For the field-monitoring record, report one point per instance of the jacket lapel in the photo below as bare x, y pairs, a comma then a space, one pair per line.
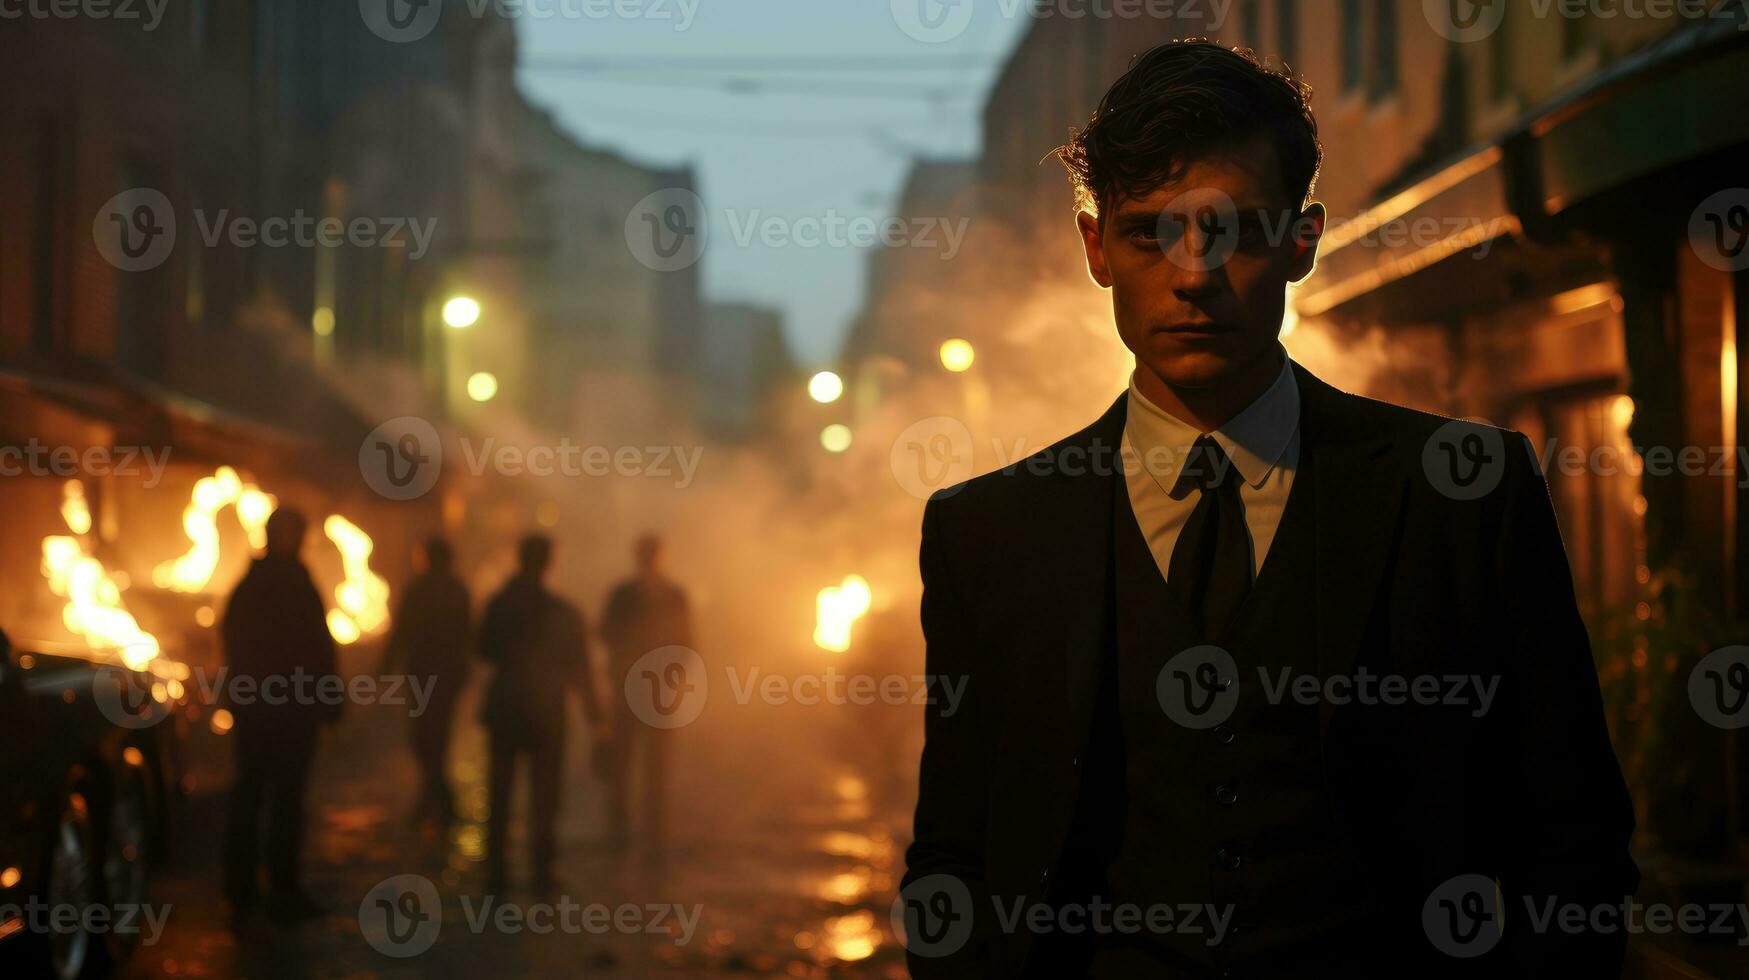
1359, 505
1082, 579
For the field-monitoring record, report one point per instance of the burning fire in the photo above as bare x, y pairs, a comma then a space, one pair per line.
94, 608
362, 597
74, 510
839, 606
191, 571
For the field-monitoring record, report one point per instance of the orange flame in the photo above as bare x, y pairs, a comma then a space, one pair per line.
94, 609
836, 608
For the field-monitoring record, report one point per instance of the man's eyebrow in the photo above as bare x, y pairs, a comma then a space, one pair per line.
1130, 214
1133, 214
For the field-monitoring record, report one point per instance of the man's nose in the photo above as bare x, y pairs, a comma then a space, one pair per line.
1197, 276
1198, 258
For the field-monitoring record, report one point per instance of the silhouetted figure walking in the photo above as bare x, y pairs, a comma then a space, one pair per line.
277, 648
429, 642
538, 643
644, 612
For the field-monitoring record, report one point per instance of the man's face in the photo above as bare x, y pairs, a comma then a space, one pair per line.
1198, 268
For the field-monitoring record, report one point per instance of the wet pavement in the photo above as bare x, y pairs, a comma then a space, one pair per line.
787, 837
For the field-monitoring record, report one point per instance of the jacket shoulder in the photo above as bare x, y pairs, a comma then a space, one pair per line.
1091, 451
1362, 418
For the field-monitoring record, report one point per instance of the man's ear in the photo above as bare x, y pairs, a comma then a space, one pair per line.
1308, 232
1095, 246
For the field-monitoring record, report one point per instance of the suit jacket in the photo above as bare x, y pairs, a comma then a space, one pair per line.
540, 646
274, 627
640, 618
1409, 580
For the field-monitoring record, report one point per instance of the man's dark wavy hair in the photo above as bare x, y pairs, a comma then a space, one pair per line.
1177, 101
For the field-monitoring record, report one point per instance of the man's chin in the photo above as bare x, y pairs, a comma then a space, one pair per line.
1196, 369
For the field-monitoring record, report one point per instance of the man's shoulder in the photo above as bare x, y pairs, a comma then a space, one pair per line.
1371, 419
625, 588
1091, 451
1413, 437
560, 606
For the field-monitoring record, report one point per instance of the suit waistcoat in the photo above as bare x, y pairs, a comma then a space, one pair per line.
1213, 774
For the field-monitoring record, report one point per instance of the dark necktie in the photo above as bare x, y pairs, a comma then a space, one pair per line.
1210, 570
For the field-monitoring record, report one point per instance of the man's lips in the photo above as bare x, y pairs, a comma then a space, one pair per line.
1199, 328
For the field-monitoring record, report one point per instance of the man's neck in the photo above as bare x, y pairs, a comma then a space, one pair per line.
1214, 406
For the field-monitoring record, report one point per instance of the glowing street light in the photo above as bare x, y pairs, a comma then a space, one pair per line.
957, 354
482, 386
825, 387
461, 312
835, 438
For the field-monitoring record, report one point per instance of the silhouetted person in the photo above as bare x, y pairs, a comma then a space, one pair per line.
275, 630
538, 643
429, 642
644, 612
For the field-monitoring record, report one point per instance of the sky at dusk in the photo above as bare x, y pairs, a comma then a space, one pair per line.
790, 109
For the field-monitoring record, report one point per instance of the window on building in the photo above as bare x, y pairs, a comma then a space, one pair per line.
1287, 31
1383, 78
144, 300
45, 218
1353, 39
1500, 60
194, 287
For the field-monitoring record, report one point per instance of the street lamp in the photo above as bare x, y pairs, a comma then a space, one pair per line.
461, 312
825, 387
835, 438
957, 354
482, 386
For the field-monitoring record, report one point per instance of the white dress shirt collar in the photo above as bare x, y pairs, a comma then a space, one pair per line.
1254, 439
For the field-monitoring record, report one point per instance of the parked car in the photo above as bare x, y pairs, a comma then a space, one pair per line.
86, 788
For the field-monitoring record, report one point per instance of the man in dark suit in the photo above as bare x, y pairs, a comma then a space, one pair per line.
1261, 678
275, 629
430, 642
645, 612
538, 643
